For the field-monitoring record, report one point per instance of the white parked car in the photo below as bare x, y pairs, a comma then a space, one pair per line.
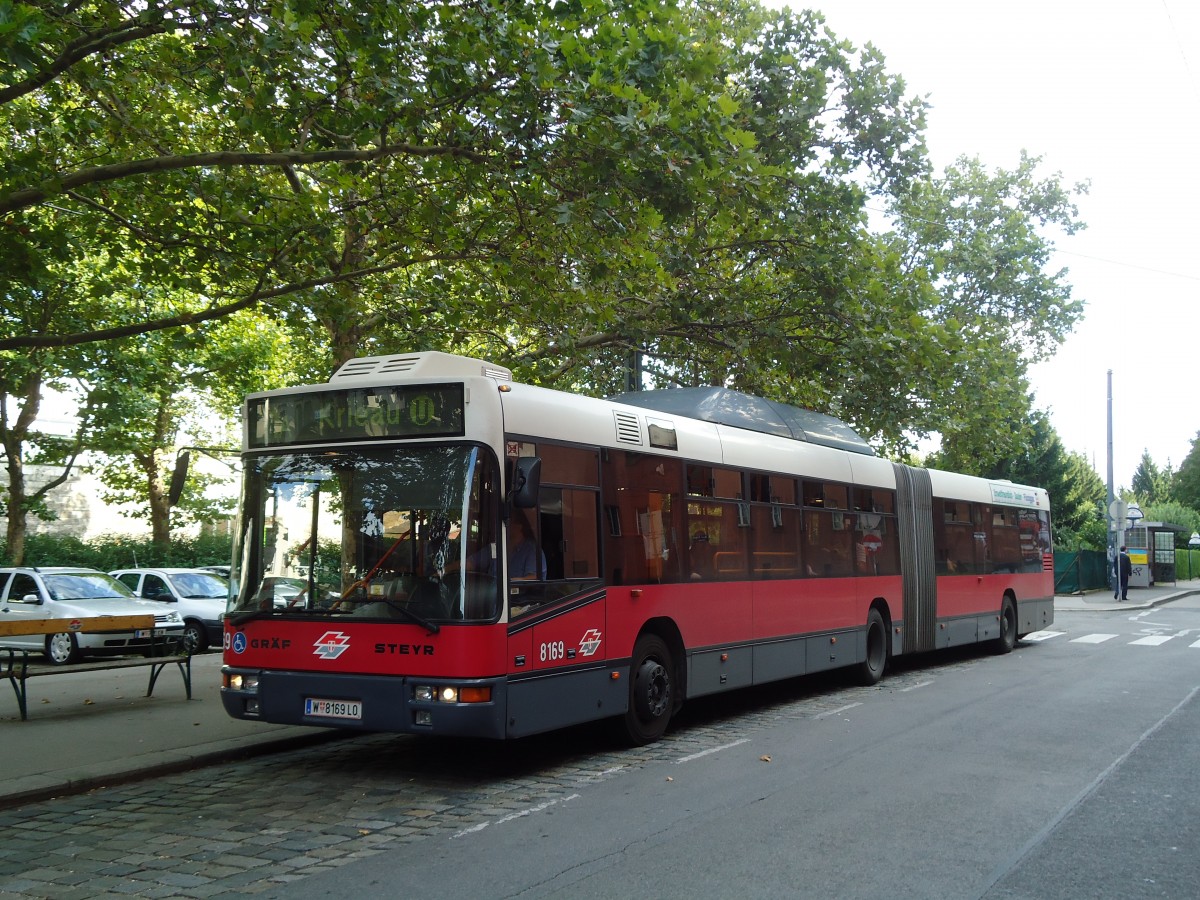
55, 592
199, 596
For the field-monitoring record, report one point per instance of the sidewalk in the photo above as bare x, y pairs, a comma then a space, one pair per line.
90, 730
1139, 598
96, 729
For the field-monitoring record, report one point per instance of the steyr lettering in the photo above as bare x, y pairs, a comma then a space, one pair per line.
406, 649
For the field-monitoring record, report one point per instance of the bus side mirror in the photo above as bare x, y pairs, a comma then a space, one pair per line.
527, 481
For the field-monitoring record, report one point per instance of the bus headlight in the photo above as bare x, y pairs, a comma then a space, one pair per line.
448, 693
236, 681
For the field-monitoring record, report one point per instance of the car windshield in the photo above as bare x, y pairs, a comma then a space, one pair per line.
200, 585
85, 586
390, 532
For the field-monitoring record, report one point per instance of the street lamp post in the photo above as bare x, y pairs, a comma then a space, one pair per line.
1134, 514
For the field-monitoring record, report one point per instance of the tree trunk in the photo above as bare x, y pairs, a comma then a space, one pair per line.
14, 535
13, 436
156, 487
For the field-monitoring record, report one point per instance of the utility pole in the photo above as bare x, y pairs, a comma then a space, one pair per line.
1113, 511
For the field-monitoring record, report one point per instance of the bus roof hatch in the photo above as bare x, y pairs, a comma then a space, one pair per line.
723, 406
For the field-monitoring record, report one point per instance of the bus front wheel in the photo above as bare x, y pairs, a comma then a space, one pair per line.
651, 690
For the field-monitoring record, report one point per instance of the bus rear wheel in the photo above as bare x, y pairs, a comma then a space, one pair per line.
651, 691
1008, 627
870, 670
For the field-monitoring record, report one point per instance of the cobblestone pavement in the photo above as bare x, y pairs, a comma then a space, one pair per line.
243, 828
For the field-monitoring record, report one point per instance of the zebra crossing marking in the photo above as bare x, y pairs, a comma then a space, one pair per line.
1153, 640
1036, 636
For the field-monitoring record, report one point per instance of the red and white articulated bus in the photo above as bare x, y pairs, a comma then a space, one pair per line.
425, 546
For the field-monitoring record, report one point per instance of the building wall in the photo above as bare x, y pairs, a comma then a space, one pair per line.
77, 503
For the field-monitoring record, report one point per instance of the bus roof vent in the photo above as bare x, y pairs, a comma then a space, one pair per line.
420, 365
629, 429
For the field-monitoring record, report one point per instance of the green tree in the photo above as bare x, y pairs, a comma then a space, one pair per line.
170, 381
982, 241
1150, 483
555, 185
62, 293
1175, 513
1185, 487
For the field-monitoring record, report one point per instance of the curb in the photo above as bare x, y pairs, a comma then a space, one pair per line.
84, 782
1072, 604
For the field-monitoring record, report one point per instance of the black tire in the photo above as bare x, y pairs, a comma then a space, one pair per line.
195, 637
652, 687
62, 649
1008, 627
871, 669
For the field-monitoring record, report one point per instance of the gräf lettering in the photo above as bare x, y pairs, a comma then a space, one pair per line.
405, 649
270, 643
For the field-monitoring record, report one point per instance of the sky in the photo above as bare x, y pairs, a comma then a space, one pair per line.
1107, 92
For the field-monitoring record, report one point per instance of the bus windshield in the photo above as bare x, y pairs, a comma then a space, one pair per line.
392, 532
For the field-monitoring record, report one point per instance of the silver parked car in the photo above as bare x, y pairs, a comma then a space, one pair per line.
199, 596
28, 592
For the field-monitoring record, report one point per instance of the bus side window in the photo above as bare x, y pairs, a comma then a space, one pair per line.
643, 496
568, 533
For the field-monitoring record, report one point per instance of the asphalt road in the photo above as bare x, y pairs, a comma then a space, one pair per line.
1064, 769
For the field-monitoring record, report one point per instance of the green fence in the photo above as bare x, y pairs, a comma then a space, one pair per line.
1080, 570
1187, 564
1087, 570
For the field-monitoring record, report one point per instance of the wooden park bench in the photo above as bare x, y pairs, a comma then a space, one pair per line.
19, 664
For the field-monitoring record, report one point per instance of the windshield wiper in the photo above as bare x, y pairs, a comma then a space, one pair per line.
249, 616
239, 619
431, 627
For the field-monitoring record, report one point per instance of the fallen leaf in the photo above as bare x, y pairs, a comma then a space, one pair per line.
765, 758
669, 778
87, 702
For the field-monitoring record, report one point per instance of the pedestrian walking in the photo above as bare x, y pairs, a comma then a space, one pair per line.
1122, 569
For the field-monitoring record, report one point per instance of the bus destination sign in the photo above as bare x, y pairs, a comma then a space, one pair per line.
355, 414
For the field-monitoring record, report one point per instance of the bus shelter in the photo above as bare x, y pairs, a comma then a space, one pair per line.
1151, 547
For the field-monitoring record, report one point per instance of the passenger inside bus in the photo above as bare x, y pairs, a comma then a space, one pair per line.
701, 555
524, 556
526, 561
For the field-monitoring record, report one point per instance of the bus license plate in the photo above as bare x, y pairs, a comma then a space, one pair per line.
333, 709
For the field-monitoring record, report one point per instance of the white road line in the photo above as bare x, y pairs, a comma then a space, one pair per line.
1093, 639
517, 815
1042, 635
1153, 640
913, 687
684, 759
1195, 645
836, 712
600, 776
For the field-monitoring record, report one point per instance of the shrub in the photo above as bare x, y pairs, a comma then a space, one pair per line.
115, 551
